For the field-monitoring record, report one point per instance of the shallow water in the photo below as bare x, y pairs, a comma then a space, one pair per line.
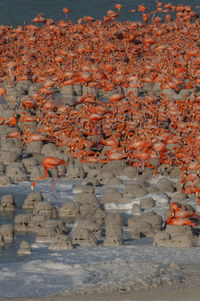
15, 12
47, 272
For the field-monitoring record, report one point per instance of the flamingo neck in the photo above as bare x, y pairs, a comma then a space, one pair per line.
40, 178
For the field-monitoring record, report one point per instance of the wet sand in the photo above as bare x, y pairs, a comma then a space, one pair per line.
161, 294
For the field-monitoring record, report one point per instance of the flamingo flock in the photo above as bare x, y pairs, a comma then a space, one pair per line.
119, 59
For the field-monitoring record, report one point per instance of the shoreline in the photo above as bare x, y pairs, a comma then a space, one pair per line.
155, 294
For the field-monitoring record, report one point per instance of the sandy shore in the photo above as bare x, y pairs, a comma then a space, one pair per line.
161, 294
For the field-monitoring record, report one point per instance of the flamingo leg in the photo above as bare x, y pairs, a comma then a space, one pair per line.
62, 176
52, 186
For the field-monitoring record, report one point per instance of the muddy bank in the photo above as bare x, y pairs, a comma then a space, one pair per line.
161, 294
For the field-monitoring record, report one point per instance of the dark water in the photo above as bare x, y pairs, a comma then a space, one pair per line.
15, 12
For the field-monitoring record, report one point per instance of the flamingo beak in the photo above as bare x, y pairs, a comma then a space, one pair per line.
32, 187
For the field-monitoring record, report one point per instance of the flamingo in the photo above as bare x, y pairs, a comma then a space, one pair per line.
118, 6
181, 216
180, 221
51, 163
66, 10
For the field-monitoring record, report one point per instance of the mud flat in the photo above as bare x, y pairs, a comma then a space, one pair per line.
127, 265
161, 294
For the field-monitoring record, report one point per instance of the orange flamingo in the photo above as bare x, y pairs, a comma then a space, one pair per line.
3, 93
180, 221
51, 163
12, 121
181, 216
36, 137
15, 135
118, 6
39, 19
112, 156
66, 10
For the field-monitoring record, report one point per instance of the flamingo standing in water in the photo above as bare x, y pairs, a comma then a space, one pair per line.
49, 162
66, 10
